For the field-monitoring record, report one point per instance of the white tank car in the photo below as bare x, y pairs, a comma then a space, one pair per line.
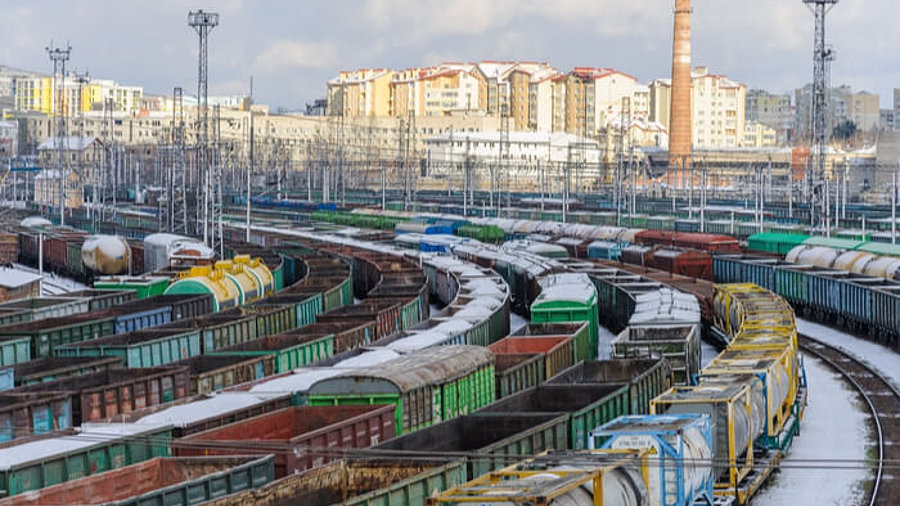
106, 254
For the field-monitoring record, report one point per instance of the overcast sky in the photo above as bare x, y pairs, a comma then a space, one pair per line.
292, 47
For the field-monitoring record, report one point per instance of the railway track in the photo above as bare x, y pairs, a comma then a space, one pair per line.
883, 401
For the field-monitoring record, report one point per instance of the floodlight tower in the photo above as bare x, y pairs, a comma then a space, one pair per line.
59, 56
819, 117
203, 23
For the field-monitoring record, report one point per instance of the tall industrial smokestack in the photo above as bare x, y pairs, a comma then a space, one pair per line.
680, 114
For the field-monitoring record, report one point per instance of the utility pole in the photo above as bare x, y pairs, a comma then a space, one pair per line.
178, 205
202, 23
818, 207
82, 79
59, 57
503, 170
252, 161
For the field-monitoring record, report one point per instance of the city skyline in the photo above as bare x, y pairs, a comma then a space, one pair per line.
292, 50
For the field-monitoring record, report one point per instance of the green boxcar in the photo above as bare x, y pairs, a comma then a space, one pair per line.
35, 465
771, 242
221, 331
146, 286
306, 307
278, 277
73, 257
14, 350
519, 371
143, 348
290, 352
587, 406
273, 320
40, 308
47, 335
410, 314
830, 242
563, 311
425, 387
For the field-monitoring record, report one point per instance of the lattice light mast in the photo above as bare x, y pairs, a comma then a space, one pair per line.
59, 56
203, 23
815, 176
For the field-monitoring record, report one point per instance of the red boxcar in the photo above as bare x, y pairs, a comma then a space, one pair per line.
693, 263
711, 243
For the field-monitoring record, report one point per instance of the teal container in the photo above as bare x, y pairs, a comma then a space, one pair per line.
143, 348
290, 352
35, 465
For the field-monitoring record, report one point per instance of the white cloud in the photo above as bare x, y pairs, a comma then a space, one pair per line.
284, 54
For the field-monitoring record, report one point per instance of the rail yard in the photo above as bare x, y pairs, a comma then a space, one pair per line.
376, 346
488, 282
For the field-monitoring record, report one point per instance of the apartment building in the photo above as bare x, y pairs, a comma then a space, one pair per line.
772, 110
36, 93
719, 110
759, 135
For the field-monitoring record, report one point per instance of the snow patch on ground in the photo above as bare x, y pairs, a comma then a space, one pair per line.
829, 431
516, 322
885, 360
707, 353
604, 345
53, 284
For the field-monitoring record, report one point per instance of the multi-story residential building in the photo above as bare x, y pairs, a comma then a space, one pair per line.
640, 102
361, 93
36, 93
661, 101
772, 110
9, 139
449, 91
865, 110
718, 105
886, 120
896, 109
843, 104
759, 135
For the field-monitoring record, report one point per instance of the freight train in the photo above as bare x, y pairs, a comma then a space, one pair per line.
475, 315
769, 390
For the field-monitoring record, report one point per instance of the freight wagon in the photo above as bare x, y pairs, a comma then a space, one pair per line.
384, 481
863, 305
158, 481
560, 477
288, 351
40, 308
568, 298
585, 406
646, 378
143, 348
200, 413
47, 369
27, 414
211, 373
301, 438
491, 441
61, 457
99, 395
425, 387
